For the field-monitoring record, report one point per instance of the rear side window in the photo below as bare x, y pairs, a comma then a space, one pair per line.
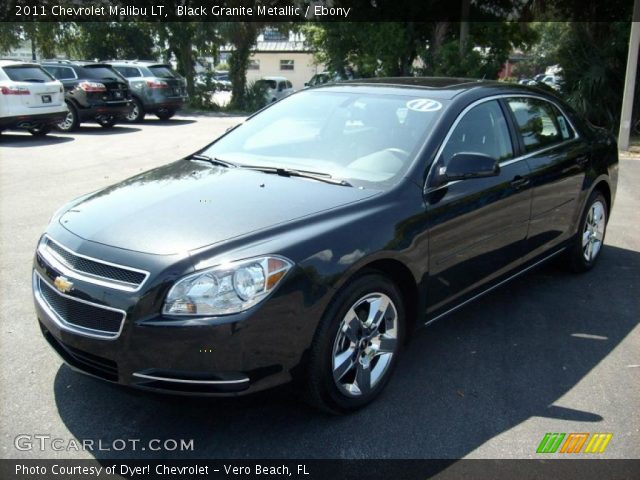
61, 73
162, 71
540, 123
128, 72
483, 129
27, 73
289, 85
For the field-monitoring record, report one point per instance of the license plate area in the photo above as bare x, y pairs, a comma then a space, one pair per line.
46, 98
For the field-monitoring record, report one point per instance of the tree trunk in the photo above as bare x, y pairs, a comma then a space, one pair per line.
464, 25
243, 38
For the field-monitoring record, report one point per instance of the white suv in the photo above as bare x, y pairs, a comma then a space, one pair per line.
30, 98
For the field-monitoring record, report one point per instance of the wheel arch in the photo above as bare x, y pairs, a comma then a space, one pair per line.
603, 187
400, 274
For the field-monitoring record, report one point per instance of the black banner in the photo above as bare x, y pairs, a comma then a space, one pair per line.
596, 469
314, 10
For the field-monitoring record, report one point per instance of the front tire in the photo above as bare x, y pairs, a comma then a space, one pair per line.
356, 346
587, 246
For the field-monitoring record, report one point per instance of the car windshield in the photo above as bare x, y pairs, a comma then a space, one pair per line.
370, 140
162, 71
27, 73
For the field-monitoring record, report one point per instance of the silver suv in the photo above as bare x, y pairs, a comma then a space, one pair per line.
155, 88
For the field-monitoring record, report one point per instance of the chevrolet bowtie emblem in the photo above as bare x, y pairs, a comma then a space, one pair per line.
62, 284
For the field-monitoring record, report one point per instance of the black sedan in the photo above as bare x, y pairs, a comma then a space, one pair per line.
310, 241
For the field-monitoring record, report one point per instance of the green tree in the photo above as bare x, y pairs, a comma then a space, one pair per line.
43, 36
188, 41
113, 40
593, 58
242, 37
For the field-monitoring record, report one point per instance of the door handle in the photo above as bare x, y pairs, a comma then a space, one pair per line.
519, 182
582, 160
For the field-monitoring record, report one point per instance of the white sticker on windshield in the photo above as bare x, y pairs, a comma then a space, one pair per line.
424, 105
563, 127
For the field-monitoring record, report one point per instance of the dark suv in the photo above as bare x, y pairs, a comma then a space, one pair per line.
155, 88
93, 92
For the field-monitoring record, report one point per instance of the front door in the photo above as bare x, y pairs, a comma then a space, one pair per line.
477, 227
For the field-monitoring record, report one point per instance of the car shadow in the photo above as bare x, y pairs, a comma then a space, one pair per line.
156, 122
461, 381
98, 130
17, 140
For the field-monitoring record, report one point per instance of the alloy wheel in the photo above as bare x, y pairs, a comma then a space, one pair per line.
68, 121
593, 234
365, 344
133, 114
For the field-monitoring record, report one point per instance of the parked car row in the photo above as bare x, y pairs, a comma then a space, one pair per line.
64, 93
552, 81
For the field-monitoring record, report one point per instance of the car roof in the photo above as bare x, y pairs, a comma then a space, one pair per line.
272, 77
141, 63
70, 63
8, 62
439, 87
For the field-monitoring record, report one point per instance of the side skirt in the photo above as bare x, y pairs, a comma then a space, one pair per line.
493, 287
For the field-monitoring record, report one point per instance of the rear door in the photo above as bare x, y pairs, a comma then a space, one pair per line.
43, 90
478, 226
557, 159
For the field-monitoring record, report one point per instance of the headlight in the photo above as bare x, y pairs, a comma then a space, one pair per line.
226, 289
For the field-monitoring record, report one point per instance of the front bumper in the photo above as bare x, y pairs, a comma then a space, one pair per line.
230, 355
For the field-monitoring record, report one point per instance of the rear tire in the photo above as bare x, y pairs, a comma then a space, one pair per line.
137, 112
587, 246
40, 131
165, 114
71, 122
351, 359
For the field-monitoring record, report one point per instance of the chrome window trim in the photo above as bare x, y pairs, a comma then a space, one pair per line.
511, 160
182, 380
64, 324
57, 262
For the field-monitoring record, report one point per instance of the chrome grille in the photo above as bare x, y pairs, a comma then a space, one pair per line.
76, 315
90, 269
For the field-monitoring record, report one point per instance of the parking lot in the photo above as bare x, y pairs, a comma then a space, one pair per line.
550, 352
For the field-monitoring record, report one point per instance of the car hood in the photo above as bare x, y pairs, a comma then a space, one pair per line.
188, 205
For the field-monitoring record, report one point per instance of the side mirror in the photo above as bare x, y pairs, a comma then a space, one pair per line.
466, 165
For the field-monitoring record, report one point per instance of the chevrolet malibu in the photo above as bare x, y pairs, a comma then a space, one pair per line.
310, 241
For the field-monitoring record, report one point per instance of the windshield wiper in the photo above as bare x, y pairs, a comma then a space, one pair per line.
289, 172
212, 160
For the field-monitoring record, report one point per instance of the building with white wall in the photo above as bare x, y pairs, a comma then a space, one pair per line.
284, 55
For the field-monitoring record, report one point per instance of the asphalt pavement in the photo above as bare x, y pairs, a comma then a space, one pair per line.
549, 352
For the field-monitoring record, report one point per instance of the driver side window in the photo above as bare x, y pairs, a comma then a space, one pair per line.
483, 129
